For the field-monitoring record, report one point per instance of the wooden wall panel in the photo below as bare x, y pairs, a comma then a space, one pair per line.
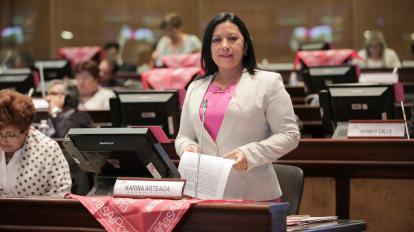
97, 22
33, 17
394, 18
271, 22
385, 204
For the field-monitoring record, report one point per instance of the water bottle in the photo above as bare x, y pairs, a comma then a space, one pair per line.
44, 127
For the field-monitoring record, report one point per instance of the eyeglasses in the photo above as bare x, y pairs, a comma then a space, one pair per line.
10, 136
54, 94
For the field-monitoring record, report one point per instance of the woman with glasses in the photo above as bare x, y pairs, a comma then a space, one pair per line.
248, 113
92, 95
31, 164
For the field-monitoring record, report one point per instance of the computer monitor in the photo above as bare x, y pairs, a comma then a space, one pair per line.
54, 69
315, 46
317, 78
20, 82
344, 102
147, 107
113, 152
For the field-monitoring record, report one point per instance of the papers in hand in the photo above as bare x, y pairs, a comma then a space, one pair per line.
213, 174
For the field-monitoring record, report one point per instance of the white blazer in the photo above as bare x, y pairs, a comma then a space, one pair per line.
259, 121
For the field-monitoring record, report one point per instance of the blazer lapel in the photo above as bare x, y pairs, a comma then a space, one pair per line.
234, 108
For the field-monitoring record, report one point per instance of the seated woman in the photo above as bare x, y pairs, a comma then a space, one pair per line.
174, 41
92, 95
63, 99
31, 164
376, 54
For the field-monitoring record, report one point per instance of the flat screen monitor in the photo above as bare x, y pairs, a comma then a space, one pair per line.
20, 82
344, 102
54, 69
315, 46
140, 108
113, 152
317, 78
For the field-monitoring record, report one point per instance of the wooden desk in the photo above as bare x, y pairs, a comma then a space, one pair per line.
405, 74
344, 159
70, 215
312, 121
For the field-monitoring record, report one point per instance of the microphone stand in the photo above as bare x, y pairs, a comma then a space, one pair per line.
394, 71
203, 113
42, 80
405, 120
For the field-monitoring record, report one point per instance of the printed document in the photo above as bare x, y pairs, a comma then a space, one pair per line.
213, 174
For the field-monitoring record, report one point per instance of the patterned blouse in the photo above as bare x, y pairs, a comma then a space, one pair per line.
43, 169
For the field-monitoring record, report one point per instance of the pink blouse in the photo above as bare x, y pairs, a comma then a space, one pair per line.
217, 102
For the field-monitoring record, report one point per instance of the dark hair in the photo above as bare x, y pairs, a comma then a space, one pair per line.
16, 109
112, 45
112, 64
71, 97
171, 19
249, 60
88, 66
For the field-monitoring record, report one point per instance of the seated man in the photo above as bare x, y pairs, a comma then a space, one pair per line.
63, 100
107, 71
112, 53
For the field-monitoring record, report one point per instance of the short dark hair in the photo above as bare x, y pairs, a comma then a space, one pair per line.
171, 19
89, 66
249, 60
111, 45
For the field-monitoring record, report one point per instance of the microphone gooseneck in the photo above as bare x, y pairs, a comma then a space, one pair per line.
203, 114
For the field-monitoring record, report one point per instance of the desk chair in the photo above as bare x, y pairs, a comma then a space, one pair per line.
291, 182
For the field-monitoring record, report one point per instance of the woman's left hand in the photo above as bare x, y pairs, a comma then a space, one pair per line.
239, 157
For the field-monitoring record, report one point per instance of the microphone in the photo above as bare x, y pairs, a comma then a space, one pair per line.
399, 93
3, 66
203, 114
42, 79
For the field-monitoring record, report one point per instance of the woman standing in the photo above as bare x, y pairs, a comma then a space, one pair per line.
249, 115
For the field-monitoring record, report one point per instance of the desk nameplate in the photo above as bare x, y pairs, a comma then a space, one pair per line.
149, 188
376, 129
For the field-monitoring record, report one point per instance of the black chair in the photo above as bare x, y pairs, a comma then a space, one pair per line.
291, 182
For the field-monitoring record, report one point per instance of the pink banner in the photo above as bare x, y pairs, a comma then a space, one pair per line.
324, 57
182, 60
168, 78
126, 214
78, 54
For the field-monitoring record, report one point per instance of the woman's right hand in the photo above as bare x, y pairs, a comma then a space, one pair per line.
191, 148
